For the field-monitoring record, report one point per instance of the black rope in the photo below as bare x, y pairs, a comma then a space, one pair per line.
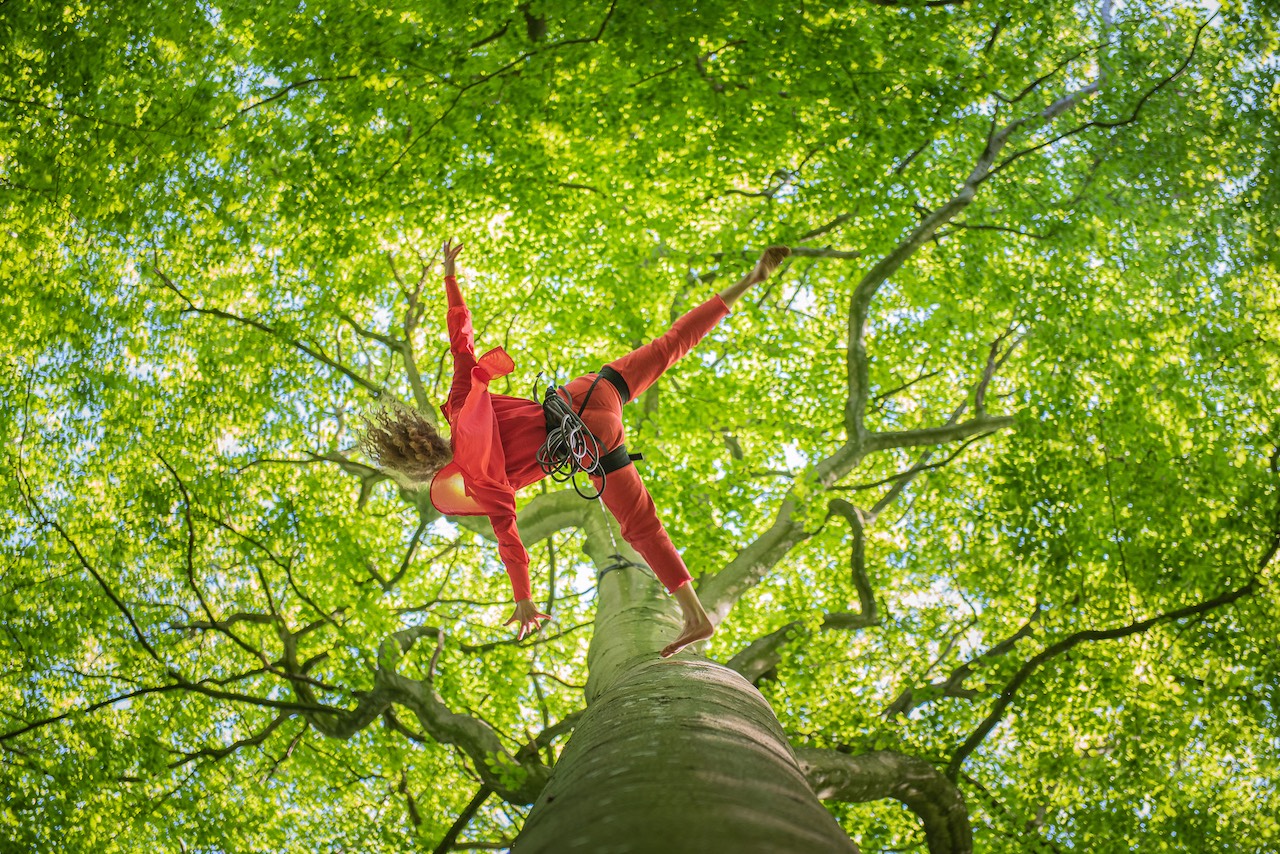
570, 447
587, 397
619, 562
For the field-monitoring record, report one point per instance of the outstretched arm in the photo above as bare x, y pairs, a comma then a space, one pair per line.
461, 336
451, 252
462, 344
516, 561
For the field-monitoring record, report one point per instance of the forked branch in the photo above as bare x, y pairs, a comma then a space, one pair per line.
763, 654
886, 774
268, 329
1010, 692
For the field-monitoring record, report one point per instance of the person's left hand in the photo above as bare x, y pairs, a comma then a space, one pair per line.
451, 251
528, 616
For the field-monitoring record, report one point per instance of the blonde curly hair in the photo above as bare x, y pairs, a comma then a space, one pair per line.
400, 439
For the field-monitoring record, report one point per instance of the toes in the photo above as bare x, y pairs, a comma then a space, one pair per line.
686, 639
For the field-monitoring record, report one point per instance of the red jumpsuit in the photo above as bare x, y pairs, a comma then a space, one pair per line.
495, 439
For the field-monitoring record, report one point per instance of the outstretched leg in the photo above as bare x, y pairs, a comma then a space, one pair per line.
630, 503
641, 367
625, 495
769, 261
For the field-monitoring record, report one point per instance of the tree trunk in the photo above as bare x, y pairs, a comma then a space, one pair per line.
675, 755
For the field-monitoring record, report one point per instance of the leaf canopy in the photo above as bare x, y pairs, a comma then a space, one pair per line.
220, 223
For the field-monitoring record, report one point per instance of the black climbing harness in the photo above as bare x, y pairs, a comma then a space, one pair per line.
571, 449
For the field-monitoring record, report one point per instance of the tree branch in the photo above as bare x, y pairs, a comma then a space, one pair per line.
1133, 116
759, 658
973, 226
408, 555
543, 516
230, 619
875, 278
217, 753
823, 229
700, 63
287, 89
978, 426
222, 627
390, 342
858, 559
884, 395
1025, 672
921, 465
84, 710
517, 780
953, 685
814, 252
762, 655
412, 317
29, 499
484, 78
918, 4
720, 591
272, 331
887, 774
464, 818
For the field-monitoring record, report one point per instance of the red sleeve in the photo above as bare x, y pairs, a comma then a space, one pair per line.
452, 292
462, 345
513, 554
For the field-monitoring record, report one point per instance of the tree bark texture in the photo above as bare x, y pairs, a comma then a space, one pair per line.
674, 755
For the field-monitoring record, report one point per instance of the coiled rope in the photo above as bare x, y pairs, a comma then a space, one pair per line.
570, 448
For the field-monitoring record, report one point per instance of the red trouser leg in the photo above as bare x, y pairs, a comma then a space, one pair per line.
624, 493
630, 503
641, 367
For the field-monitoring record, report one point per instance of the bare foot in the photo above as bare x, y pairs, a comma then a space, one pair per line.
763, 269
692, 633
769, 261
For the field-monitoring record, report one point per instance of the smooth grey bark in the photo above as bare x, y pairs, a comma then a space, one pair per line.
674, 755
887, 774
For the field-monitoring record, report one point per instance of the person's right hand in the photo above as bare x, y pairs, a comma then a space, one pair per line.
528, 616
450, 256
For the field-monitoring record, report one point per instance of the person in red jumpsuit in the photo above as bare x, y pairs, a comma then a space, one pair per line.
495, 438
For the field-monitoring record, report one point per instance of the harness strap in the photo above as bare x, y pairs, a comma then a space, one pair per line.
615, 379
570, 447
618, 458
618, 562
586, 398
